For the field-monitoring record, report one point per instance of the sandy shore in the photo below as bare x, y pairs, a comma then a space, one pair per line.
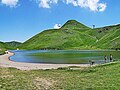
5, 62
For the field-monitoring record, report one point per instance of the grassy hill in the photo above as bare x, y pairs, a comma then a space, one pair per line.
2, 47
74, 35
13, 44
69, 36
107, 37
8, 45
73, 24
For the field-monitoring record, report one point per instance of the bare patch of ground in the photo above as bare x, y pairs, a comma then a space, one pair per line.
42, 83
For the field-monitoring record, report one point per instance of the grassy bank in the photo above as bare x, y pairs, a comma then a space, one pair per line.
93, 78
2, 51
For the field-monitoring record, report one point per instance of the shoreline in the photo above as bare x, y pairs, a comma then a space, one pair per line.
6, 62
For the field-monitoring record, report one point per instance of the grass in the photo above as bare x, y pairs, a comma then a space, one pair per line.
75, 36
104, 77
70, 36
2, 48
110, 40
2, 52
8, 46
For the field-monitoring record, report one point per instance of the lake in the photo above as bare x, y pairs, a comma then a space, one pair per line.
63, 56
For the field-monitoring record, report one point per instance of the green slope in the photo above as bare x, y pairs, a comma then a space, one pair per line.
110, 40
8, 45
66, 37
13, 44
74, 35
2, 47
73, 24
107, 37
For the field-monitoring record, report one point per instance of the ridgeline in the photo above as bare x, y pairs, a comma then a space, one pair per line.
71, 36
75, 36
8, 45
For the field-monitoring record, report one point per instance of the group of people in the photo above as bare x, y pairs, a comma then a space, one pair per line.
105, 58
111, 58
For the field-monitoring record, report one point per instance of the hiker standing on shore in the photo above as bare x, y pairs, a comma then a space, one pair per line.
105, 58
6, 51
111, 57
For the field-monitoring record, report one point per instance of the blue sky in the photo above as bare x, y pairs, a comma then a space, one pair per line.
22, 19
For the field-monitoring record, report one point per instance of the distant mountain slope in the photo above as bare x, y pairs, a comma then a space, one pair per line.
107, 37
13, 43
9, 45
110, 40
74, 35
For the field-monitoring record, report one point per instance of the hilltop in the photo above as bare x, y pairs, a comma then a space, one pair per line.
75, 35
73, 24
70, 36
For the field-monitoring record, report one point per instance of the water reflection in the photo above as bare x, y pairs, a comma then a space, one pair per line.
63, 56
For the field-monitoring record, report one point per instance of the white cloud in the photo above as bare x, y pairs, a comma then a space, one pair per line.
74, 2
93, 5
10, 3
46, 3
57, 26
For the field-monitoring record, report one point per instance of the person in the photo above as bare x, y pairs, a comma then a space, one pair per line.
111, 57
105, 58
6, 51
91, 62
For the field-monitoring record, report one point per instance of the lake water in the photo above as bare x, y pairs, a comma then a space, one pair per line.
63, 56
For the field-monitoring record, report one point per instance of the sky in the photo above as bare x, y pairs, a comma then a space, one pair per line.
22, 19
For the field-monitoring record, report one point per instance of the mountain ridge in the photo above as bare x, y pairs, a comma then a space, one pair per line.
71, 36
74, 35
